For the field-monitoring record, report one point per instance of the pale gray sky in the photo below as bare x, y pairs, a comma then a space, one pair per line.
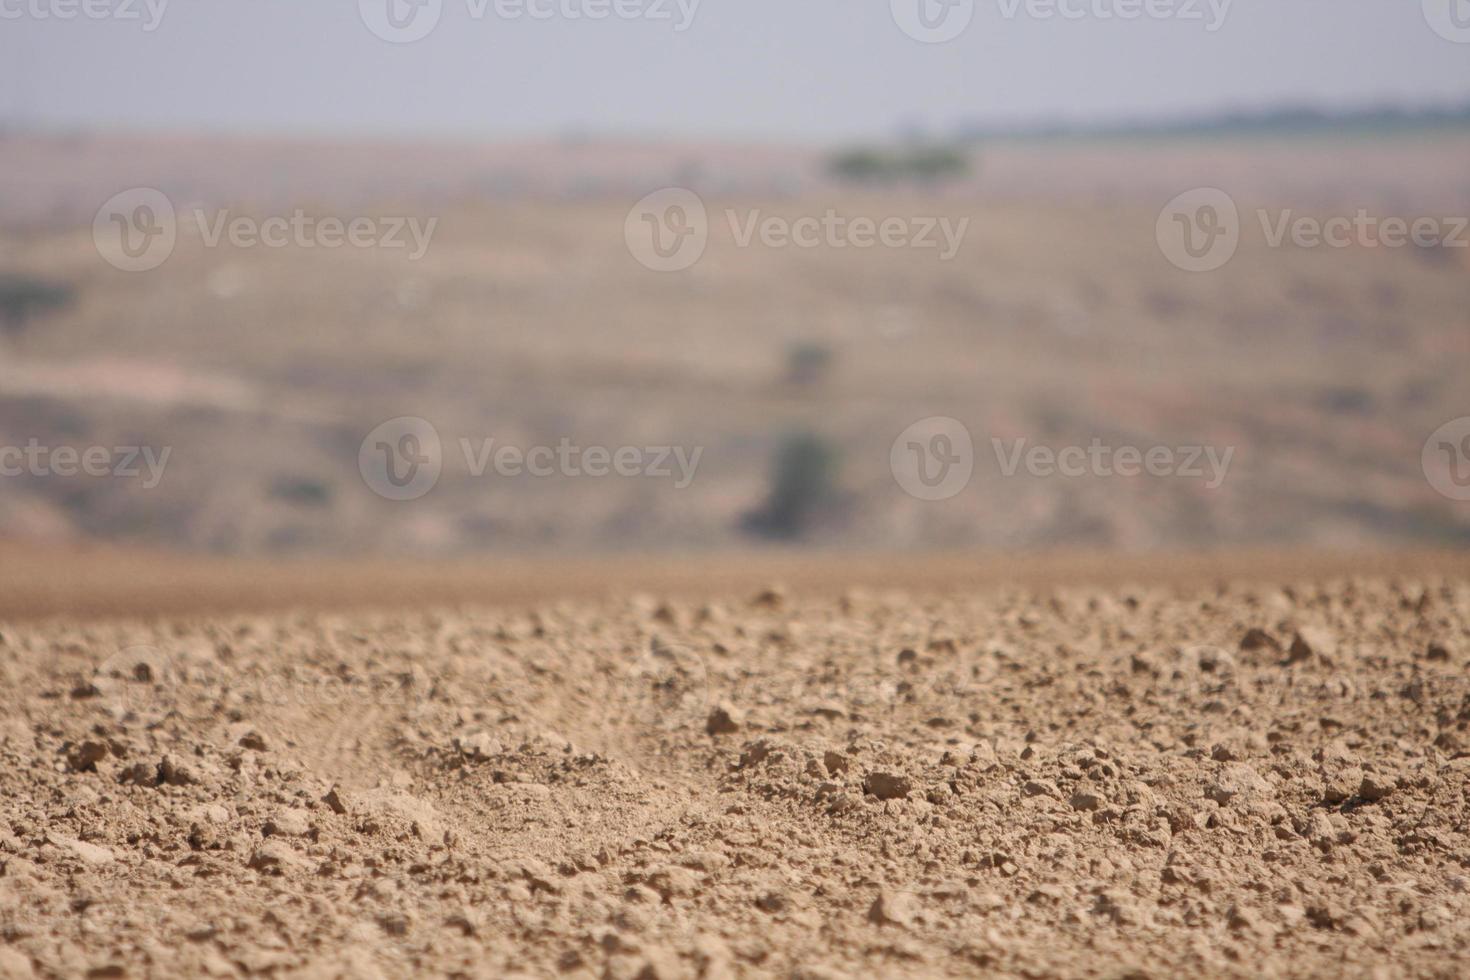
813, 69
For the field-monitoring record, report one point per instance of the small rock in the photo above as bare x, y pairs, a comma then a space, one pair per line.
1117, 907
538, 875
288, 823
773, 597
1144, 663
84, 757
1376, 786
335, 801
893, 908
273, 857
773, 902
1437, 651
887, 785
139, 774
1258, 639
480, 745
1242, 920
1340, 784
176, 772
1085, 800
1236, 779
252, 740
1035, 787
835, 762
90, 853
723, 720
1310, 642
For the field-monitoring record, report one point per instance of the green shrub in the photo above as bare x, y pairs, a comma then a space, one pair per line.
25, 297
802, 480
925, 164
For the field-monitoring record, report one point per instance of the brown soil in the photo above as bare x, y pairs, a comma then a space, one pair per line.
1045, 779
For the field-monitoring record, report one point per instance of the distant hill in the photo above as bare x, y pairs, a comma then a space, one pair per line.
1285, 120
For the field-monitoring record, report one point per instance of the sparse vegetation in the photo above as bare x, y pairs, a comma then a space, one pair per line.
302, 491
923, 164
23, 298
802, 478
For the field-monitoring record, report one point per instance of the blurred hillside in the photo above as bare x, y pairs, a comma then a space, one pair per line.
528, 321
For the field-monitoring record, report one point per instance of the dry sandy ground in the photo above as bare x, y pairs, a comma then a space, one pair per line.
1170, 778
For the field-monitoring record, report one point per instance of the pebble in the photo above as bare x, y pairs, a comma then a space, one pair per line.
1085, 800
480, 745
1236, 779
723, 720
288, 823
90, 853
273, 856
887, 785
335, 800
893, 907
84, 757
